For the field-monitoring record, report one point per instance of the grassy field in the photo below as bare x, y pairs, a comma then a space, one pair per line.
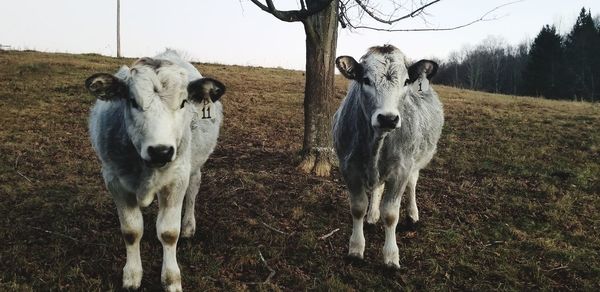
510, 202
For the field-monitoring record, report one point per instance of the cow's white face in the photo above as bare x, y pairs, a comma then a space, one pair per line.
156, 113
384, 81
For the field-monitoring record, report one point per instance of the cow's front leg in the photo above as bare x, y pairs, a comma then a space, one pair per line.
168, 225
390, 211
189, 219
132, 229
358, 207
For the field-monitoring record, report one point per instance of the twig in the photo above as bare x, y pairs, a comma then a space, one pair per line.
329, 234
495, 242
268, 268
391, 21
273, 228
22, 175
17, 169
483, 18
55, 233
65, 236
557, 268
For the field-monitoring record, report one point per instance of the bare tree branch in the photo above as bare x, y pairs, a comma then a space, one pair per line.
483, 18
413, 13
292, 15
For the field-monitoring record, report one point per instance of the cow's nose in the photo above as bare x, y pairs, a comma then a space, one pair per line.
388, 121
160, 154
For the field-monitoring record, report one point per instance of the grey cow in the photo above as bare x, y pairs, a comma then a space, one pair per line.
384, 132
153, 127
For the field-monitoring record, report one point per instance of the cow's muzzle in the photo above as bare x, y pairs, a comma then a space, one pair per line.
387, 122
159, 155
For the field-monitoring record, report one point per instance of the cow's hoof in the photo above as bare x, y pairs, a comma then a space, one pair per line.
171, 280
354, 260
132, 278
412, 216
412, 223
356, 248
408, 224
355, 256
391, 265
391, 255
173, 288
188, 229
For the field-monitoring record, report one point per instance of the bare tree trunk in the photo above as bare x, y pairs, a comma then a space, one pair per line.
321, 43
118, 28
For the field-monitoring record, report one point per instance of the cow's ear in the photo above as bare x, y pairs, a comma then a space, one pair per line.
200, 89
349, 67
106, 87
423, 68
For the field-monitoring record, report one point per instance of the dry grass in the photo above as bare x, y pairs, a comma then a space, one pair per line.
511, 201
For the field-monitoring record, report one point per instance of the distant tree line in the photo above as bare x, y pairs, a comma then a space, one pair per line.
552, 66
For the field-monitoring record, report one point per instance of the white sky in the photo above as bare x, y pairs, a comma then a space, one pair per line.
237, 32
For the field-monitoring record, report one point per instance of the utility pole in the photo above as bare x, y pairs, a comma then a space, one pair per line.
118, 28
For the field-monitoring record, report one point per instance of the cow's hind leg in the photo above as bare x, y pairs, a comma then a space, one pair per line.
373, 214
132, 229
358, 207
188, 229
390, 211
168, 226
411, 205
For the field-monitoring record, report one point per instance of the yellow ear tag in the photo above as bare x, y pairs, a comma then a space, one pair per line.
206, 104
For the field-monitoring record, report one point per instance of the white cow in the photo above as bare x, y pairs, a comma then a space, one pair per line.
153, 127
384, 133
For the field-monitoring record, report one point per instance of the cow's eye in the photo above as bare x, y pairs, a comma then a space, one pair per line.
406, 82
183, 103
134, 103
366, 81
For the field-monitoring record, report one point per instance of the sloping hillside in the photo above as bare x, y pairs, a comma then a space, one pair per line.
511, 201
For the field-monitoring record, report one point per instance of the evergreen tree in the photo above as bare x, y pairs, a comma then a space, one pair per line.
553, 66
544, 72
582, 47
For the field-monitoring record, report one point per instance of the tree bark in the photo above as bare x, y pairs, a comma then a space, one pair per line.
118, 28
321, 43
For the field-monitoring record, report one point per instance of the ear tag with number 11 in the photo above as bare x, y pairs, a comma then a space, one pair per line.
206, 104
